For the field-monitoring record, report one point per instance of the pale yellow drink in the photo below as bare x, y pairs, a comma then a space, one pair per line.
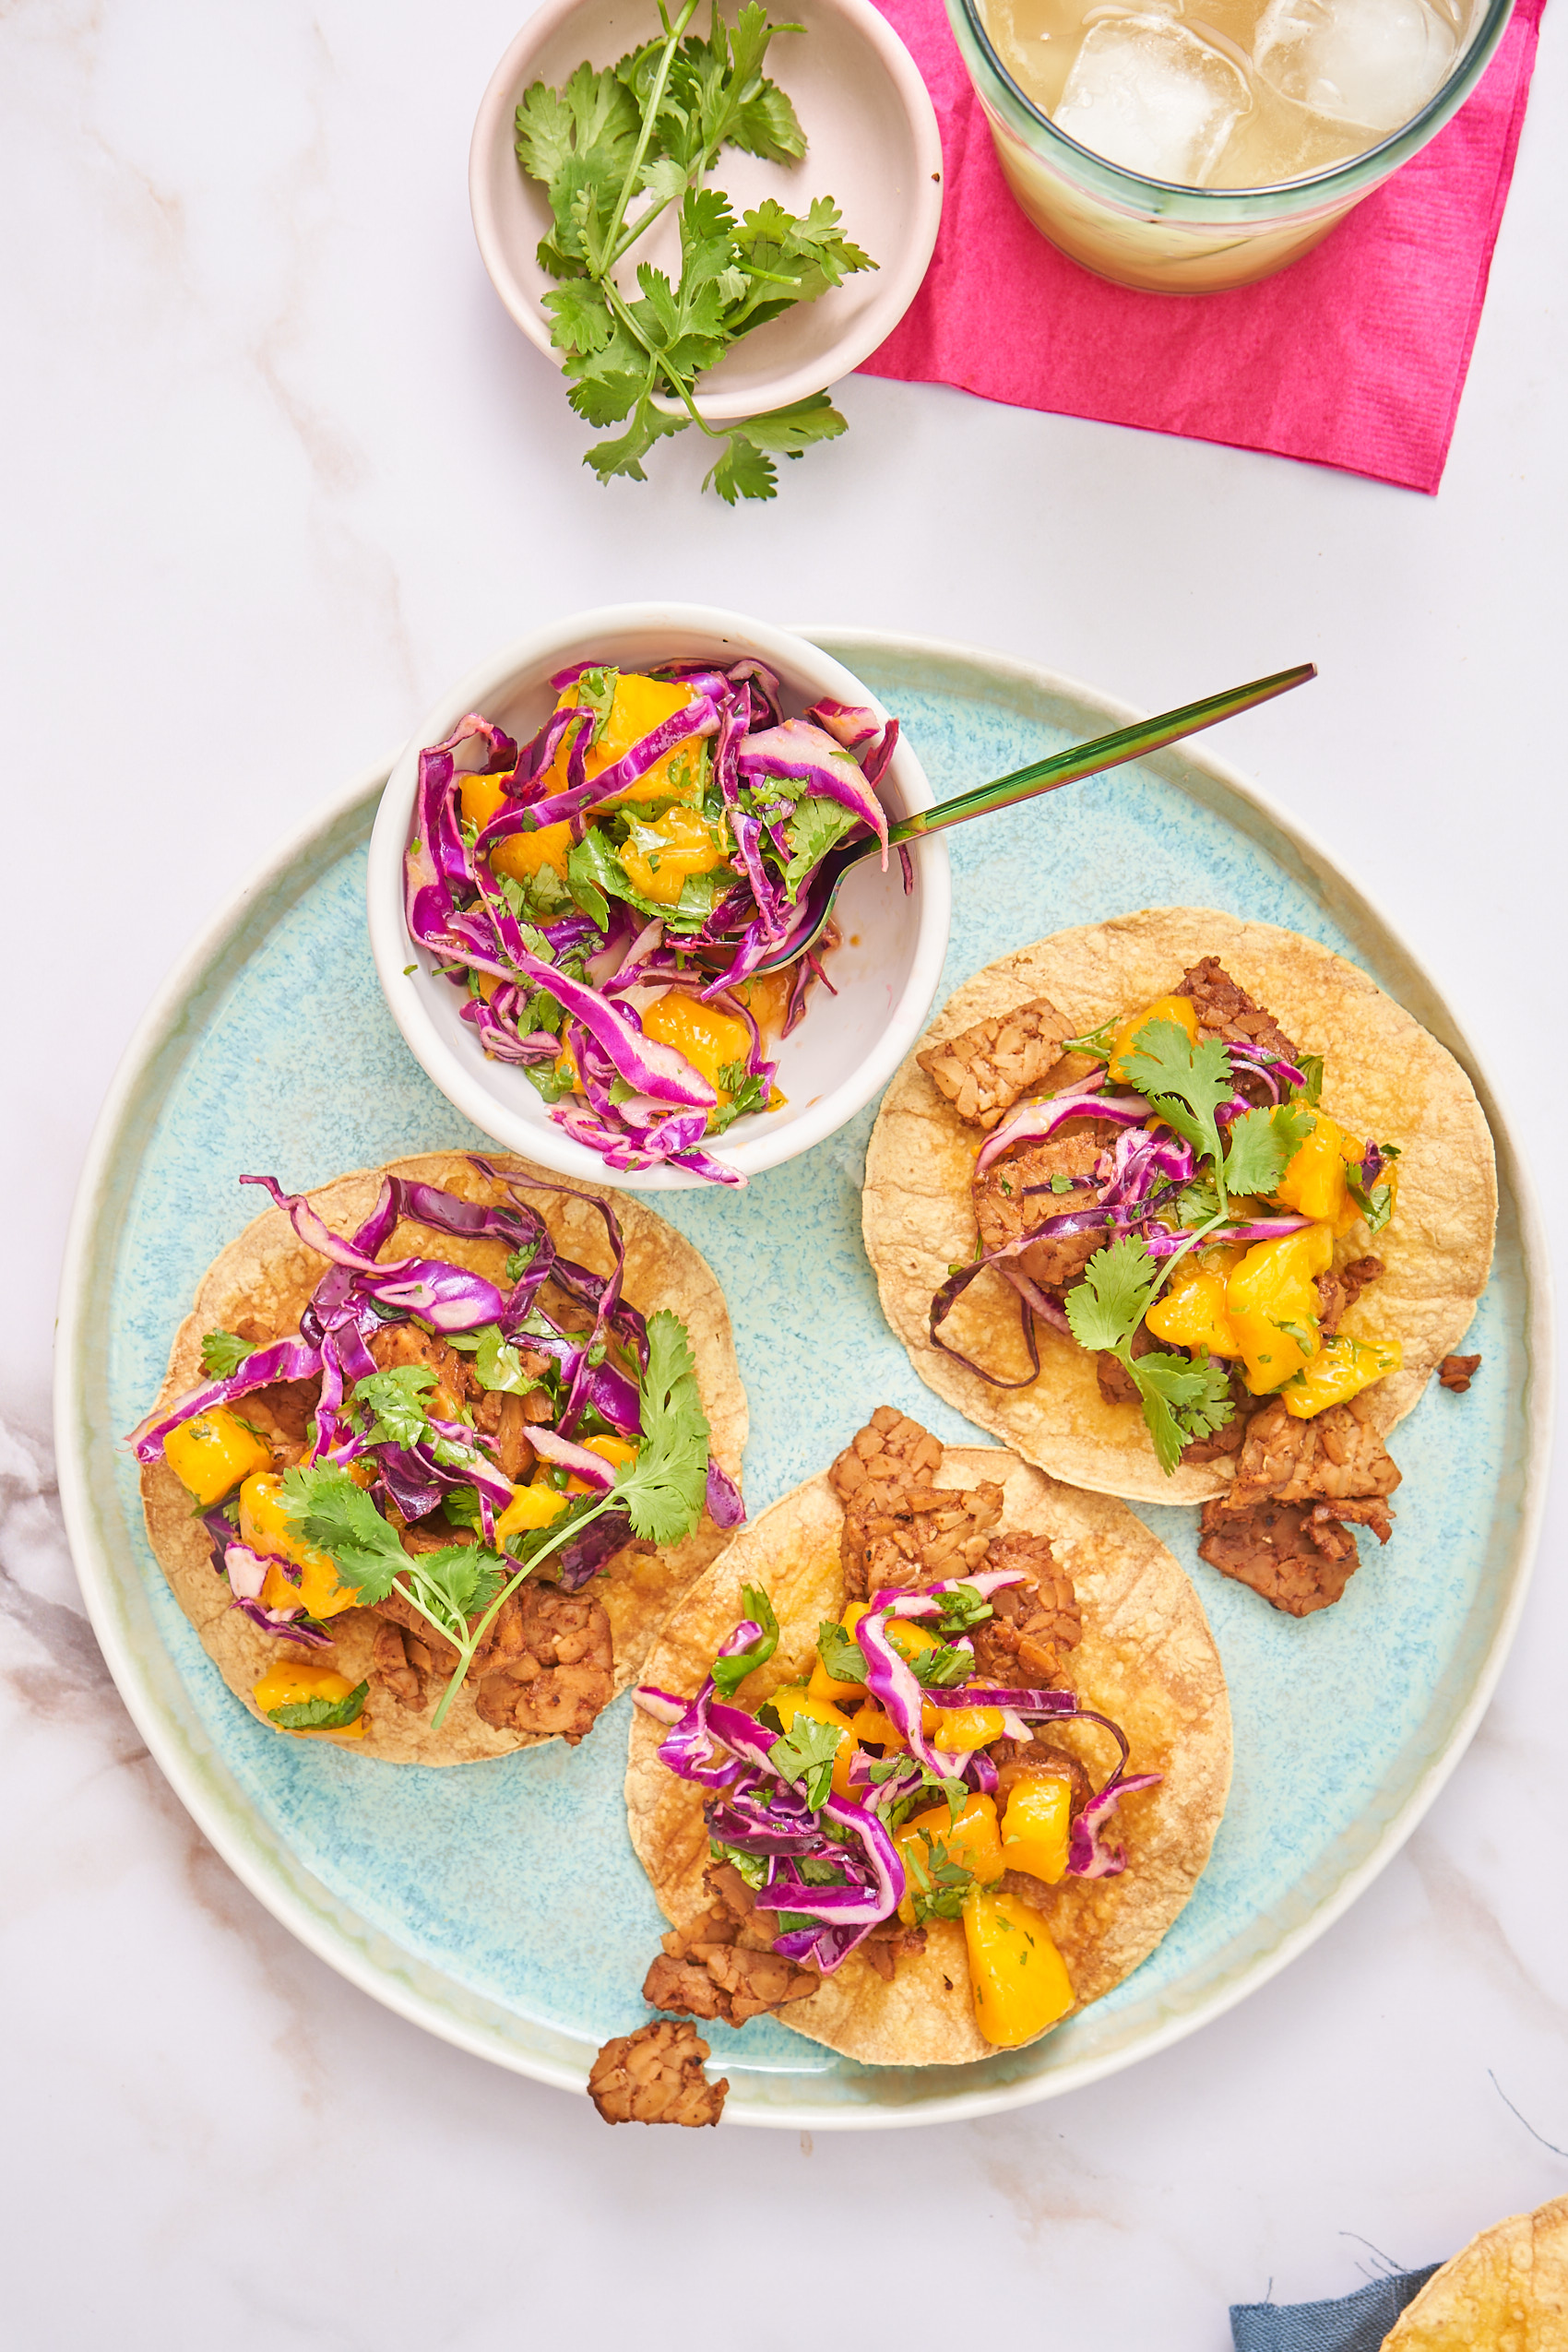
1209, 95
1228, 93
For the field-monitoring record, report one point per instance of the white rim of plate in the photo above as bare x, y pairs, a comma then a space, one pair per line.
157, 1025
900, 284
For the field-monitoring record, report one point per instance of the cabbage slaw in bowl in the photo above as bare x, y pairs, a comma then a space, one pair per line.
604, 893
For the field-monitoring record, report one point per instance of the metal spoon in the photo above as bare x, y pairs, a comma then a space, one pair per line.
1042, 776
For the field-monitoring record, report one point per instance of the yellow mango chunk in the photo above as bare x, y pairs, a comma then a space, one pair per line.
1313, 1183
823, 1685
952, 1729
1035, 1826
640, 705
680, 842
795, 1700
1179, 1009
1018, 1979
1341, 1369
709, 1039
908, 1636
767, 998
267, 1527
972, 1841
292, 1683
530, 1507
1274, 1307
482, 798
522, 854
212, 1452
1191, 1312
874, 1728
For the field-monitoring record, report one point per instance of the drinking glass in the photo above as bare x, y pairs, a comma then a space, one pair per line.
1171, 240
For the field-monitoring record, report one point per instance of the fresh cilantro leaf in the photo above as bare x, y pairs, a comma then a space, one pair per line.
962, 1608
222, 1353
322, 1714
1108, 1305
751, 1867
1375, 1204
1060, 1184
804, 1757
394, 1401
497, 1363
816, 824
340, 1518
1197, 1203
460, 1506
595, 690
1181, 1400
1260, 1146
746, 468
792, 1922
941, 1668
729, 1673
744, 1091
841, 1658
457, 1582
663, 1486
939, 1883
547, 1078
1186, 1084
1311, 1090
817, 1873
519, 1260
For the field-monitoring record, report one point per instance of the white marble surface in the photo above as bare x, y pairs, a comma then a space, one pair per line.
278, 469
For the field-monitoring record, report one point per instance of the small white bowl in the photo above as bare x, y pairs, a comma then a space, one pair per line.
886, 972
872, 143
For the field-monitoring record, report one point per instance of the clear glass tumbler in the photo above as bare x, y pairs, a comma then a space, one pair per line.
1171, 240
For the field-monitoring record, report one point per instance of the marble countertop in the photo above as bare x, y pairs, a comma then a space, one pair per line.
279, 468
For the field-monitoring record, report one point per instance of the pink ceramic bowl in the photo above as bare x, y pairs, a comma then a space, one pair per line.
871, 145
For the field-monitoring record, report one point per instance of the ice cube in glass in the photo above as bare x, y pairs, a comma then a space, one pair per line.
1147, 94
1375, 62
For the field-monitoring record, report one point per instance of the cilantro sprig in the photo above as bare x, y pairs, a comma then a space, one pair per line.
1181, 1400
460, 1589
222, 1353
647, 131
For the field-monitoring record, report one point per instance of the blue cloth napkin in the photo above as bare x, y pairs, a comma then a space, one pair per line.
1355, 2323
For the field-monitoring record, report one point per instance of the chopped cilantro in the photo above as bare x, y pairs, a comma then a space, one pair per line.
222, 1353
804, 1757
321, 1714
729, 1673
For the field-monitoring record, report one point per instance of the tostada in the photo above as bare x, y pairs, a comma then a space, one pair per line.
930, 1758
1187, 1209
437, 1449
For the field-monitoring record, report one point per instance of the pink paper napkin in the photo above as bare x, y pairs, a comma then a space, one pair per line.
1355, 356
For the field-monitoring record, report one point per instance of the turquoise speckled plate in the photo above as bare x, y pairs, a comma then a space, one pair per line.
500, 1903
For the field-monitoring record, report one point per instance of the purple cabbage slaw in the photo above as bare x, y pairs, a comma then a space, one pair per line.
360, 1293
752, 1808
1131, 1194
579, 985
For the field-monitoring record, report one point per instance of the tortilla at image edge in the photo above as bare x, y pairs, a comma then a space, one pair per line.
266, 1270
1145, 1626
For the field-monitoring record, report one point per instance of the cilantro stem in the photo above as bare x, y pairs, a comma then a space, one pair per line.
468, 1649
650, 115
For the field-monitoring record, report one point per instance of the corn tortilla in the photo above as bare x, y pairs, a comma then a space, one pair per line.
1384, 1077
1507, 2291
267, 1272
1146, 1658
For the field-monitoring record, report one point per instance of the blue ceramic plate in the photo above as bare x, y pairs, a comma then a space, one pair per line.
500, 1903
